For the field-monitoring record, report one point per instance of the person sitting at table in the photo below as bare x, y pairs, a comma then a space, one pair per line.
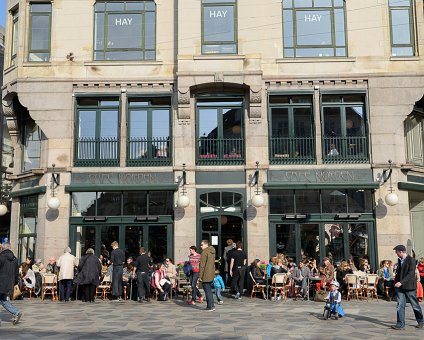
305, 273
364, 266
278, 267
386, 279
342, 270
326, 273
313, 267
257, 273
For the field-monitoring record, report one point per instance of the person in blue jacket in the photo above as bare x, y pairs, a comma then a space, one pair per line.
218, 282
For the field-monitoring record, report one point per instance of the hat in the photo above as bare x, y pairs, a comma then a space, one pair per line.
334, 283
400, 247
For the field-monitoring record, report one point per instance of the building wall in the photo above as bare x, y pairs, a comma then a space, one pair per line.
47, 90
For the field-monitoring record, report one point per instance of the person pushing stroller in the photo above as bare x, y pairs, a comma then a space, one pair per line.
333, 305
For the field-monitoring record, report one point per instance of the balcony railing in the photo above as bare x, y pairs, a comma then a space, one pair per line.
97, 152
345, 149
149, 151
220, 151
292, 150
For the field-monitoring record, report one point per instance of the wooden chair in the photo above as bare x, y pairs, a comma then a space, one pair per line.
103, 290
370, 286
27, 289
353, 286
49, 286
278, 285
257, 287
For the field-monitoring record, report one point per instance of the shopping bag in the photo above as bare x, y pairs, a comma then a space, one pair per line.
16, 292
320, 295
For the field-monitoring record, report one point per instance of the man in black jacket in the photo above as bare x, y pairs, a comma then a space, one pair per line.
117, 257
9, 274
406, 288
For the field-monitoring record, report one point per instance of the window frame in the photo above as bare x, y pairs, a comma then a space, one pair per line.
150, 160
15, 36
27, 131
105, 31
411, 135
28, 204
97, 161
295, 48
411, 12
210, 3
30, 28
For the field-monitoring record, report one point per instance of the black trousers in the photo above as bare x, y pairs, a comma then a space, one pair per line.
237, 281
143, 285
89, 292
117, 281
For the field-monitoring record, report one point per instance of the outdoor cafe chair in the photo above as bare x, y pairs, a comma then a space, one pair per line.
278, 285
257, 287
370, 286
103, 290
353, 286
49, 286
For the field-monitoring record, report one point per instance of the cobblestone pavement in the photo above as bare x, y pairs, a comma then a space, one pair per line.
246, 319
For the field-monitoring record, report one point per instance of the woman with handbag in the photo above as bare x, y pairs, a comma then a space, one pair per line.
89, 271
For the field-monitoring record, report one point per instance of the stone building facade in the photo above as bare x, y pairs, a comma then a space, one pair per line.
137, 103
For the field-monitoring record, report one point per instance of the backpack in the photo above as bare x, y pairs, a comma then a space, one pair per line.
187, 268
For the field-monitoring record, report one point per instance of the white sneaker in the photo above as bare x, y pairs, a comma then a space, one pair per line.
220, 302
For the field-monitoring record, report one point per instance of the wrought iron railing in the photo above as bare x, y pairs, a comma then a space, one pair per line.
292, 150
97, 151
345, 149
149, 151
220, 151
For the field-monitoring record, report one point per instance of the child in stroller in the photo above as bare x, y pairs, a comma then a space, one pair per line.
333, 302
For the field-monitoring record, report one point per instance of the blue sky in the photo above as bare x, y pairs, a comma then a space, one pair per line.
2, 12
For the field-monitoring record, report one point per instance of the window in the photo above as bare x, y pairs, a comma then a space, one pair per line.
401, 27
27, 227
39, 32
149, 131
414, 125
314, 28
291, 129
344, 129
31, 146
219, 27
15, 34
125, 30
220, 132
97, 141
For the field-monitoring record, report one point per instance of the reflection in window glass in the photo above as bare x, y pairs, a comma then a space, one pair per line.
31, 146
334, 242
160, 202
108, 235
309, 241
314, 28
88, 239
307, 201
125, 30
15, 34
359, 201
281, 201
133, 240
109, 204
83, 204
135, 203
358, 242
333, 201
402, 28
40, 26
219, 28
285, 240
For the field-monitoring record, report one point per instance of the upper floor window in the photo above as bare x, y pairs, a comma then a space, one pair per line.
219, 27
414, 128
344, 128
292, 129
39, 32
15, 33
220, 131
125, 30
314, 28
401, 27
149, 131
97, 132
31, 146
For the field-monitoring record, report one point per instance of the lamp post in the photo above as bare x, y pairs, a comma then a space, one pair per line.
183, 201
53, 202
257, 200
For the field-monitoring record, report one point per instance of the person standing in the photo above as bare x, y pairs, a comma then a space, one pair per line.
207, 272
142, 266
9, 276
238, 270
194, 259
66, 263
89, 271
230, 245
117, 257
406, 287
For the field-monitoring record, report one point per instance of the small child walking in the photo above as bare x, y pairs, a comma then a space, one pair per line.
335, 299
218, 282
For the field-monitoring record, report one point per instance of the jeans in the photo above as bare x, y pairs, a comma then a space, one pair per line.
207, 287
402, 295
8, 306
65, 290
237, 282
218, 294
143, 285
195, 291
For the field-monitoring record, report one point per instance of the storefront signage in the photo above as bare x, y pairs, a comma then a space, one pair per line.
320, 176
123, 178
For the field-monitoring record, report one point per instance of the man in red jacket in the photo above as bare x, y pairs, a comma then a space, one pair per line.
406, 287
